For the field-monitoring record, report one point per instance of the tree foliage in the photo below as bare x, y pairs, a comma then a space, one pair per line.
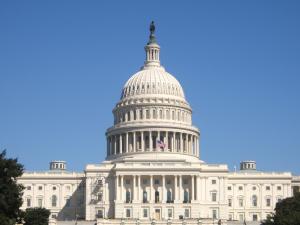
10, 191
36, 216
287, 212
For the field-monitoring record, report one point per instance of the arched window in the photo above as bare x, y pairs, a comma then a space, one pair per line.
173, 115
147, 114
145, 200
128, 116
169, 197
186, 197
160, 114
54, 201
168, 114
141, 114
128, 196
156, 196
154, 114
254, 200
134, 114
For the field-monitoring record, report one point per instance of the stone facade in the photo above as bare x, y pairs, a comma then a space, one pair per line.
153, 170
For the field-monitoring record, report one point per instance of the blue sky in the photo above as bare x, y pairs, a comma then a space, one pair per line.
63, 65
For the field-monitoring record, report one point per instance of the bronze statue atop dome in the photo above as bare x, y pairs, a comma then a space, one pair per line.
152, 38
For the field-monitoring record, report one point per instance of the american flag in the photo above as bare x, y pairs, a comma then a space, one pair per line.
160, 144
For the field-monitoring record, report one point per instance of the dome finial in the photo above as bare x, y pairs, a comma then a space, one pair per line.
152, 38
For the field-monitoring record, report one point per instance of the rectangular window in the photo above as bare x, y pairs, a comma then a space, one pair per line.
40, 188
241, 217
145, 181
99, 213
229, 202
213, 196
185, 181
230, 217
229, 188
127, 181
213, 181
278, 188
128, 213
170, 213
156, 181
241, 202
214, 214
268, 202
254, 217
28, 188
187, 213
240, 188
40, 202
68, 202
145, 213
268, 188
28, 201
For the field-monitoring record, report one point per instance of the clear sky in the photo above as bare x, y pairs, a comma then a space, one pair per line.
63, 65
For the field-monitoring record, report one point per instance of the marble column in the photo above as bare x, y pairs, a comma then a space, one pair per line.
120, 144
150, 141
181, 143
163, 192
122, 184
142, 141
134, 141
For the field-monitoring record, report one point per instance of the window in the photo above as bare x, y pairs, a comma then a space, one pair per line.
127, 181
229, 202
54, 216
40, 202
145, 197
156, 196
147, 114
254, 217
253, 188
230, 217
28, 202
40, 188
214, 196
187, 213
278, 188
185, 196
213, 181
128, 213
254, 200
100, 213
156, 181
28, 188
68, 188
54, 188
229, 188
54, 201
68, 202
169, 182
169, 196
214, 214
268, 188
240, 188
128, 197
170, 213
241, 217
268, 202
141, 114
145, 181
145, 213
100, 197
160, 114
154, 114
241, 202
185, 181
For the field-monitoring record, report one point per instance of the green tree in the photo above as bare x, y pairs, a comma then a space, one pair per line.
36, 216
10, 191
287, 212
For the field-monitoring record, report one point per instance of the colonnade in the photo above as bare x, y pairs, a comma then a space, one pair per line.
145, 141
182, 188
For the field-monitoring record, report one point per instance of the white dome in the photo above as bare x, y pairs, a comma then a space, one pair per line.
152, 81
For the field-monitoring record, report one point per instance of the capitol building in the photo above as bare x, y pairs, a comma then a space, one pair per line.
153, 172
